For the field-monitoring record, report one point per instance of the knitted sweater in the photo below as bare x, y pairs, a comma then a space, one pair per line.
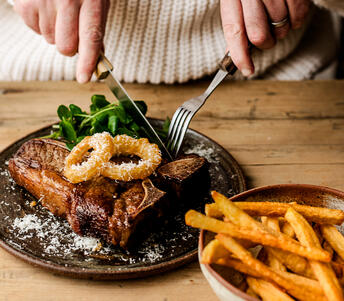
164, 41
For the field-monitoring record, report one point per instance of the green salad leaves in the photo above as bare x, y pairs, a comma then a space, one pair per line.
76, 124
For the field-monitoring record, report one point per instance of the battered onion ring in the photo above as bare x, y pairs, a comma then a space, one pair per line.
124, 145
77, 171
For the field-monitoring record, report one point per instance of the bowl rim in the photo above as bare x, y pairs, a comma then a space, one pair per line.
234, 290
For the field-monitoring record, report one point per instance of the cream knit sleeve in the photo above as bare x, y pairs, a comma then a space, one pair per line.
334, 5
158, 42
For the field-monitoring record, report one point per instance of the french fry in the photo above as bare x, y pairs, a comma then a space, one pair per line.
273, 209
213, 251
273, 261
334, 238
327, 247
315, 214
288, 230
234, 213
239, 266
212, 210
245, 256
323, 272
266, 290
300, 265
306, 283
198, 220
293, 262
250, 292
315, 278
240, 218
271, 222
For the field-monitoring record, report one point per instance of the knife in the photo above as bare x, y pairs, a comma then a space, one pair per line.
104, 71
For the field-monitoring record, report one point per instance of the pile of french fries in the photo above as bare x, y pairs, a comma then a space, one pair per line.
302, 253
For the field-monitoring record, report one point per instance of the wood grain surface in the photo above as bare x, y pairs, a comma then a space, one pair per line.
280, 132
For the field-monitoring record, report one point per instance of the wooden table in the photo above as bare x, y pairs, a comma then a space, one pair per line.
280, 132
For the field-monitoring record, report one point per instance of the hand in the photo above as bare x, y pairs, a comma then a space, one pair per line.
73, 25
245, 21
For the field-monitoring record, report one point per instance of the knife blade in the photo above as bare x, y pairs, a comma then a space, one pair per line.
104, 71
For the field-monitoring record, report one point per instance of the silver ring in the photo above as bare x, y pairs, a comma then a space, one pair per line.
280, 23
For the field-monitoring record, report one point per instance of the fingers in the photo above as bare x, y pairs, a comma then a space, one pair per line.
91, 32
67, 25
277, 11
235, 35
28, 10
298, 10
257, 24
47, 18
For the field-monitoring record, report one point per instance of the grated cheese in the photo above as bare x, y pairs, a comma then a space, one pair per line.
53, 235
203, 151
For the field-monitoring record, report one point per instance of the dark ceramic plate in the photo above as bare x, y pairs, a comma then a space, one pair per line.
33, 234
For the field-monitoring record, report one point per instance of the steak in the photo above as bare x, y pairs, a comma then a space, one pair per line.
179, 177
101, 207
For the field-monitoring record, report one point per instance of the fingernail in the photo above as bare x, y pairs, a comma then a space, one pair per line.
246, 72
82, 78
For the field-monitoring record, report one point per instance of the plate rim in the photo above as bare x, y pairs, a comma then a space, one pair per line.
127, 273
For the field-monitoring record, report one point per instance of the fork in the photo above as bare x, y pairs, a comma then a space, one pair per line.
183, 115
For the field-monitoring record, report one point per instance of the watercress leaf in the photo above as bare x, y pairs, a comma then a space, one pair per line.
85, 131
162, 134
68, 131
121, 114
99, 101
75, 109
53, 135
93, 109
97, 127
166, 124
129, 118
133, 126
102, 116
142, 106
129, 108
56, 135
63, 112
70, 145
113, 124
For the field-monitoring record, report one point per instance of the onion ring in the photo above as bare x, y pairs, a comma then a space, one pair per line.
124, 145
103, 147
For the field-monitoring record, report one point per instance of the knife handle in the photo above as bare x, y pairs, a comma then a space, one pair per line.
103, 67
227, 64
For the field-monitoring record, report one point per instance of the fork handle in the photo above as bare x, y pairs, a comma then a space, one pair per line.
227, 64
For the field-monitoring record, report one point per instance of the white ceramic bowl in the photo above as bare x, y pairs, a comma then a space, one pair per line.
224, 280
